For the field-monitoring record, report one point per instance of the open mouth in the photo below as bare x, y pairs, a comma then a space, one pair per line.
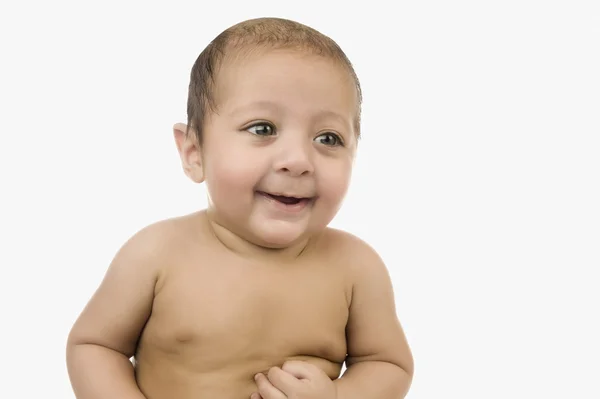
285, 199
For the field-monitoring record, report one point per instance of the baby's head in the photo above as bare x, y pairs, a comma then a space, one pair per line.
273, 124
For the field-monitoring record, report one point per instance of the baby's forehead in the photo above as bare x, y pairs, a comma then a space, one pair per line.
239, 64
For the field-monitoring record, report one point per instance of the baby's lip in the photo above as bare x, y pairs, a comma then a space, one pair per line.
288, 195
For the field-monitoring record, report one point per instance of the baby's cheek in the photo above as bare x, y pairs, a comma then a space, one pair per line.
243, 178
336, 186
231, 189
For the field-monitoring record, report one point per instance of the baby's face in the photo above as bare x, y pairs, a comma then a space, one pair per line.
278, 153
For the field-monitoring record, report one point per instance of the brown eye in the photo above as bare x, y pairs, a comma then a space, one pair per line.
329, 139
262, 129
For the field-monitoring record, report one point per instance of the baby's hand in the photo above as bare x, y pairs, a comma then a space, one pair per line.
294, 380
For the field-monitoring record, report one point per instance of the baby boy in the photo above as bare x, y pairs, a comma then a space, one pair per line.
254, 296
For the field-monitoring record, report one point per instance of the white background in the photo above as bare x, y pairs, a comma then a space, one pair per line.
477, 178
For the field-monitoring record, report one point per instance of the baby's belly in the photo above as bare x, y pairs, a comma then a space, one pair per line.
209, 334
171, 377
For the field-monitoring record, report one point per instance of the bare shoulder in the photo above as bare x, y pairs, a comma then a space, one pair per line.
165, 230
161, 239
355, 253
146, 249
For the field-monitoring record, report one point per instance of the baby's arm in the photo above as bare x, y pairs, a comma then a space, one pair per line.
105, 335
379, 363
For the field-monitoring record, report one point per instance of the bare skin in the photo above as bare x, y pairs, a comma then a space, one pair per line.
201, 320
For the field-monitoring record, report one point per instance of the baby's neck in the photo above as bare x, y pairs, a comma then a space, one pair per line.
250, 250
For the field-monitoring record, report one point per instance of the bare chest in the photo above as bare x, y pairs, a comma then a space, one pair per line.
231, 312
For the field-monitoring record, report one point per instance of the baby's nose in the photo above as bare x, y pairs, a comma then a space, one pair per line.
295, 162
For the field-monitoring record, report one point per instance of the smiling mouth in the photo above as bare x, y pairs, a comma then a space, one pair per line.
285, 199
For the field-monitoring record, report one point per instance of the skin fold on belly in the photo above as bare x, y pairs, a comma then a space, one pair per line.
168, 378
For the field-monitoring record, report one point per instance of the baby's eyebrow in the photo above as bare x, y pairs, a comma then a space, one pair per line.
331, 115
270, 105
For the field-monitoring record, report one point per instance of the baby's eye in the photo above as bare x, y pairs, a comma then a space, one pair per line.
262, 129
329, 139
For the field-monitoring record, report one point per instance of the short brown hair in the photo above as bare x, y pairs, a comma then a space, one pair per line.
275, 33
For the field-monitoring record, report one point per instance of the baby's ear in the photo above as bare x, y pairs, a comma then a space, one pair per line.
189, 152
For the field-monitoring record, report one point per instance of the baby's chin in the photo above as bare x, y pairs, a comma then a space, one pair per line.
279, 234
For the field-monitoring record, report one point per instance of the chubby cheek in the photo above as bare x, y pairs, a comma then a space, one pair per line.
333, 188
230, 182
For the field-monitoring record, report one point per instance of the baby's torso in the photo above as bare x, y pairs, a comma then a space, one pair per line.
216, 322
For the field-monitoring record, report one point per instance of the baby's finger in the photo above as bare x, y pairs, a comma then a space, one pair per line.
266, 389
301, 370
283, 381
